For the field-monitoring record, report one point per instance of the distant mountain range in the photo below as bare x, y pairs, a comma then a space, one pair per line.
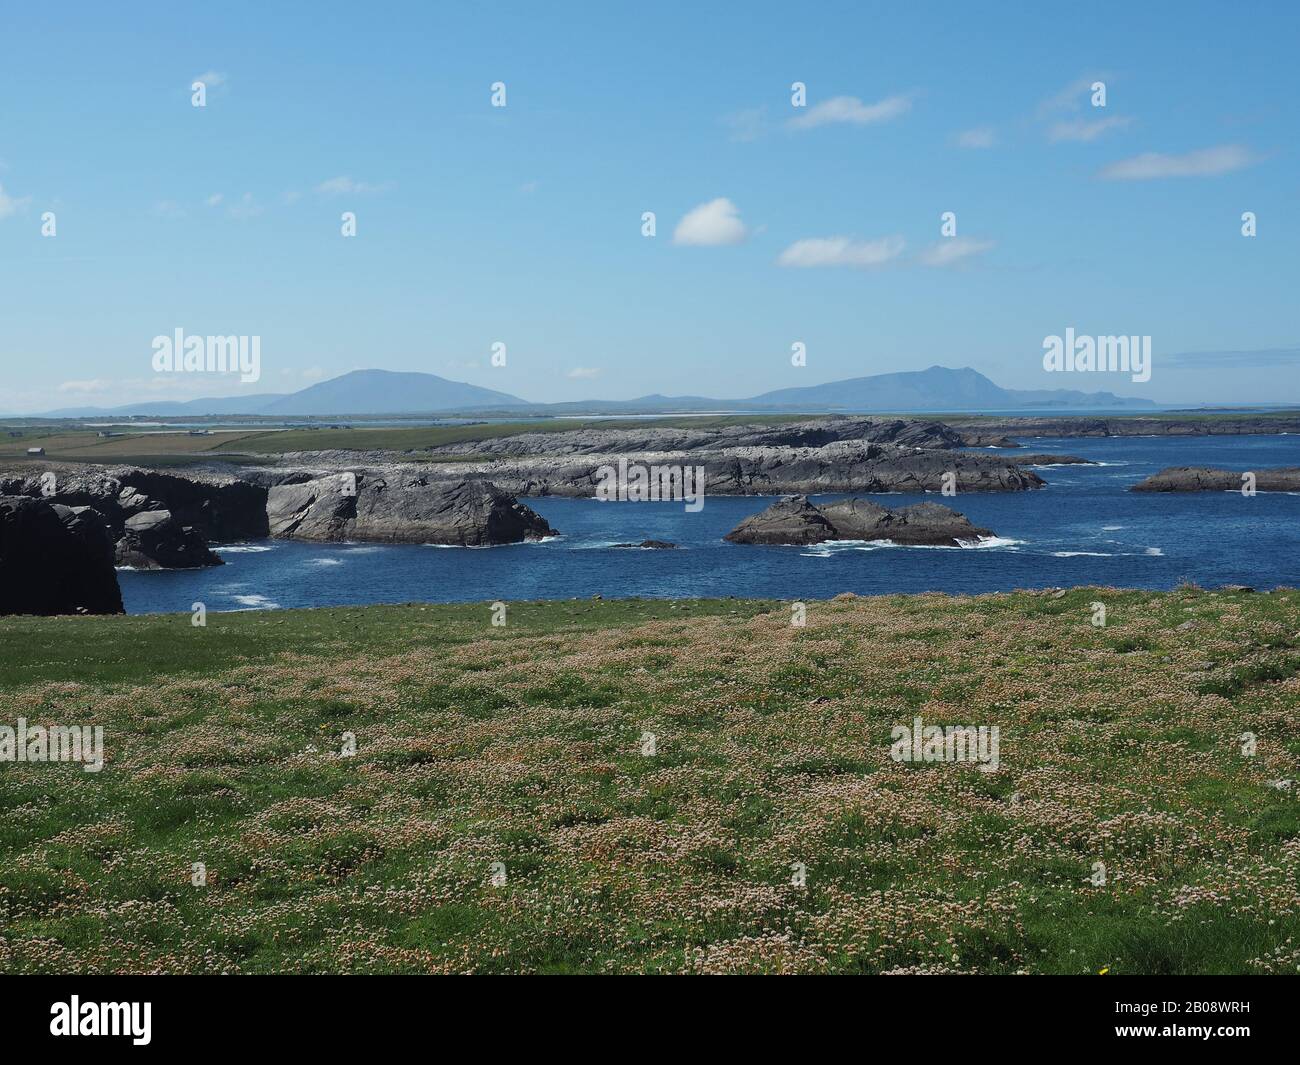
385, 392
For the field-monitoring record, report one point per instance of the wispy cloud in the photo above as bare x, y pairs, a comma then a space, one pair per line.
345, 186
1071, 97
94, 387
10, 205
851, 110
979, 137
210, 78
953, 250
746, 125
247, 207
1207, 162
168, 209
711, 224
1083, 129
583, 373
1257, 358
841, 251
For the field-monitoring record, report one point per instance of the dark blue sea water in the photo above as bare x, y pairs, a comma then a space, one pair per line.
1084, 528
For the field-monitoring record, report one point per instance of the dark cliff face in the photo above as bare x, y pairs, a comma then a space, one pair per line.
55, 560
217, 510
157, 520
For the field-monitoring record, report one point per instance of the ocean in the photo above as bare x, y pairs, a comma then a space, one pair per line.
1084, 528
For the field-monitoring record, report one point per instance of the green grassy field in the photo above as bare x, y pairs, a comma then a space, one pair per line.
522, 745
172, 448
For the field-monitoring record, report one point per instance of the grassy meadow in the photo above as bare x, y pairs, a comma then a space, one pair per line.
523, 745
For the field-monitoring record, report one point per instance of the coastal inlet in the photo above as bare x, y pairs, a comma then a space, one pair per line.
1085, 527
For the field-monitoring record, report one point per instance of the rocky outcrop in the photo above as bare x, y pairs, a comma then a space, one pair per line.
218, 508
185, 511
55, 559
651, 545
625, 439
843, 466
1049, 460
797, 521
154, 539
400, 507
1209, 479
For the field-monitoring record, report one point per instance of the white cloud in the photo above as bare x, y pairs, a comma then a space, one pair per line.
583, 372
1081, 129
1070, 98
1207, 162
214, 200
953, 250
841, 251
11, 204
345, 186
86, 388
168, 209
980, 137
710, 225
211, 79
852, 110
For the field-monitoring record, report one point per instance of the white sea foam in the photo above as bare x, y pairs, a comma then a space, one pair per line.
829, 547
256, 602
241, 549
324, 562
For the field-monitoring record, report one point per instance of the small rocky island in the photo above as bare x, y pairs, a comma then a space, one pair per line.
1210, 479
796, 521
400, 509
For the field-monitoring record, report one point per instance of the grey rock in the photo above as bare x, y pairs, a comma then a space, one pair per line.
1049, 460
401, 507
154, 539
1209, 479
845, 466
797, 521
640, 439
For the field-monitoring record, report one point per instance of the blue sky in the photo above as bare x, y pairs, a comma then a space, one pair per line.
522, 224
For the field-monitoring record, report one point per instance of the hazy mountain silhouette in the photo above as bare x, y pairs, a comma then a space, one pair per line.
386, 392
